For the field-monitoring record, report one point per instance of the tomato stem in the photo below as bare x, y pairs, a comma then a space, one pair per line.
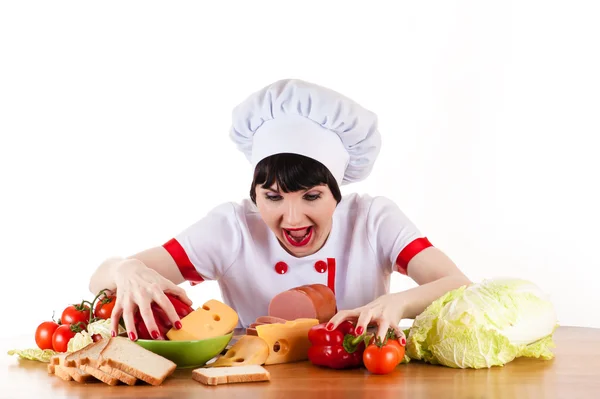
94, 302
77, 327
59, 322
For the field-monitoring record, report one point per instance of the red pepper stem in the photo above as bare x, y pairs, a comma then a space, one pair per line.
357, 340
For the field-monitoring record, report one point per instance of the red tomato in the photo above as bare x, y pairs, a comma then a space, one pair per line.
394, 343
104, 307
62, 336
44, 333
74, 314
381, 360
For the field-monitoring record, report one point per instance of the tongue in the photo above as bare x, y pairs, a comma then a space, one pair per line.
298, 233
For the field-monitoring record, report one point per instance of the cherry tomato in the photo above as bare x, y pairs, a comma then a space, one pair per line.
44, 333
104, 307
62, 336
381, 359
74, 314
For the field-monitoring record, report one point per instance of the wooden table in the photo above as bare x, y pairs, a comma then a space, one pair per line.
574, 373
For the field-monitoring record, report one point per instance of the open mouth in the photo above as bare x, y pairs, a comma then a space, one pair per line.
298, 237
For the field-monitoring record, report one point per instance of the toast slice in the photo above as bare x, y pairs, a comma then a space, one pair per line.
62, 373
118, 374
77, 374
84, 355
89, 357
59, 362
229, 375
58, 359
125, 355
99, 374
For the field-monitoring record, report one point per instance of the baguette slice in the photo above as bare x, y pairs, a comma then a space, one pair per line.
125, 355
229, 375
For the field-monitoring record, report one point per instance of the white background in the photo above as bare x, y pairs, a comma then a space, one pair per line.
114, 122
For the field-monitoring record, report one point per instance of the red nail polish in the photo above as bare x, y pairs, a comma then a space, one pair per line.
178, 325
359, 330
155, 334
113, 333
329, 326
132, 336
403, 342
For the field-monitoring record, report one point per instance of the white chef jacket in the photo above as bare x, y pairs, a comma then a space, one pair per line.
370, 238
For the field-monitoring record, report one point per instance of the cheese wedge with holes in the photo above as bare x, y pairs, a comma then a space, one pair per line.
213, 319
287, 342
248, 350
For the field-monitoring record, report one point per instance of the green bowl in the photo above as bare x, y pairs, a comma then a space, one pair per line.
186, 354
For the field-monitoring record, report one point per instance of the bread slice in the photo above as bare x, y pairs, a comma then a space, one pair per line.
84, 355
118, 374
90, 356
125, 355
78, 374
228, 375
62, 373
58, 359
99, 374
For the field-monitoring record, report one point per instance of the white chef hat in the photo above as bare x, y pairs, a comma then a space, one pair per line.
293, 116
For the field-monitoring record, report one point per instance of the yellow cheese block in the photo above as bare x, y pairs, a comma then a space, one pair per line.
249, 349
213, 319
287, 342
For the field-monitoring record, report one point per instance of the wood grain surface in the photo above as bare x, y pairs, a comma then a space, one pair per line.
574, 373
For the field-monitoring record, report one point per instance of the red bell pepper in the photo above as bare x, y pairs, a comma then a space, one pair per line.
337, 349
162, 321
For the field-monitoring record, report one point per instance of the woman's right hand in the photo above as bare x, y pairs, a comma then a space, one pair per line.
137, 287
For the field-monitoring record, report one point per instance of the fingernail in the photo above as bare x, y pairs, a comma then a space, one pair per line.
155, 334
359, 330
132, 336
403, 341
113, 333
329, 326
178, 325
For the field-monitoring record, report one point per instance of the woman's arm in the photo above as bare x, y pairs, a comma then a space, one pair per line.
436, 275
156, 258
139, 281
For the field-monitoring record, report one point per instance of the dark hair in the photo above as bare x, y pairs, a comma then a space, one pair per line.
293, 172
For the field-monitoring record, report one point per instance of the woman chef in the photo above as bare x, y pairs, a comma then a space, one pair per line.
303, 141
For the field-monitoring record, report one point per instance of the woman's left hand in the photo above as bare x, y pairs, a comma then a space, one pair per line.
386, 311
